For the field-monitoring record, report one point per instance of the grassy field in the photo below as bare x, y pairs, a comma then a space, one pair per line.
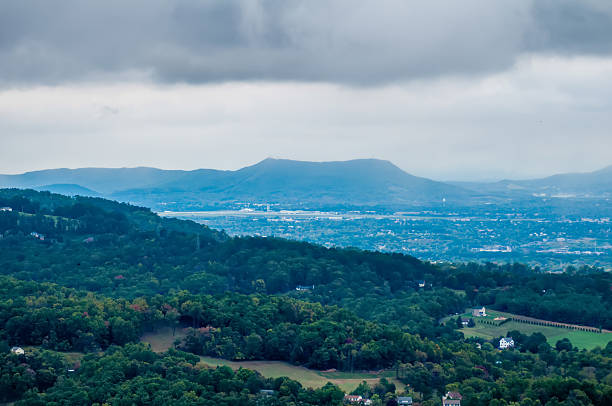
163, 339
580, 339
307, 377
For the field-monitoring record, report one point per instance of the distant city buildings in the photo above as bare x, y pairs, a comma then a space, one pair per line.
490, 235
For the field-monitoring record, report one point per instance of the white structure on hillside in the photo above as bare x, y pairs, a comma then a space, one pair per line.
38, 236
353, 399
17, 350
452, 399
506, 342
479, 312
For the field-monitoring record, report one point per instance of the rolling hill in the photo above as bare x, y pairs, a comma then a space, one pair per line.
590, 184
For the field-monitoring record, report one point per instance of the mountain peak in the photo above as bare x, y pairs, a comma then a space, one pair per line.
374, 162
355, 182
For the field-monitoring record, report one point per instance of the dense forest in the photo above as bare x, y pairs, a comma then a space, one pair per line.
134, 375
91, 275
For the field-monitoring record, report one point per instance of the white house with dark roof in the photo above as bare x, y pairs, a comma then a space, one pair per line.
452, 399
506, 342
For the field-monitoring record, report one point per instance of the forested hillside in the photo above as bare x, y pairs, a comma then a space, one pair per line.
123, 250
88, 275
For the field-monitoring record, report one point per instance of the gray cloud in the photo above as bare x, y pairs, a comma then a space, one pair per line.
371, 42
572, 27
545, 115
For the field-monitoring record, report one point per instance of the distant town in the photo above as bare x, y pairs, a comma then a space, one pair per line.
497, 234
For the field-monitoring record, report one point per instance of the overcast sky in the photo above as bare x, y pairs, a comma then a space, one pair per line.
444, 89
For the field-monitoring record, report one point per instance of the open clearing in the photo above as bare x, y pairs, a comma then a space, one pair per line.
163, 339
580, 339
347, 381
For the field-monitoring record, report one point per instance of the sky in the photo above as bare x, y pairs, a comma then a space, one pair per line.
470, 90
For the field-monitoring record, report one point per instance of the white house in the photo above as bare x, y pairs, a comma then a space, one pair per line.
506, 342
36, 235
17, 350
352, 399
6, 209
452, 399
479, 312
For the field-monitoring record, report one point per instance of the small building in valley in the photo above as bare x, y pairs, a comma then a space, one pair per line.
479, 312
304, 287
506, 342
17, 350
6, 209
452, 399
38, 236
353, 399
404, 400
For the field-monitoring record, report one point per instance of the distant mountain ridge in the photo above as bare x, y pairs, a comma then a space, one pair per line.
588, 184
68, 189
298, 184
360, 182
101, 180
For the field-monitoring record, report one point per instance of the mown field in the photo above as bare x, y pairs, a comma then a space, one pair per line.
347, 381
580, 339
163, 339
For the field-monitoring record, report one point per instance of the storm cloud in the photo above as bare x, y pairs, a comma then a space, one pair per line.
343, 41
